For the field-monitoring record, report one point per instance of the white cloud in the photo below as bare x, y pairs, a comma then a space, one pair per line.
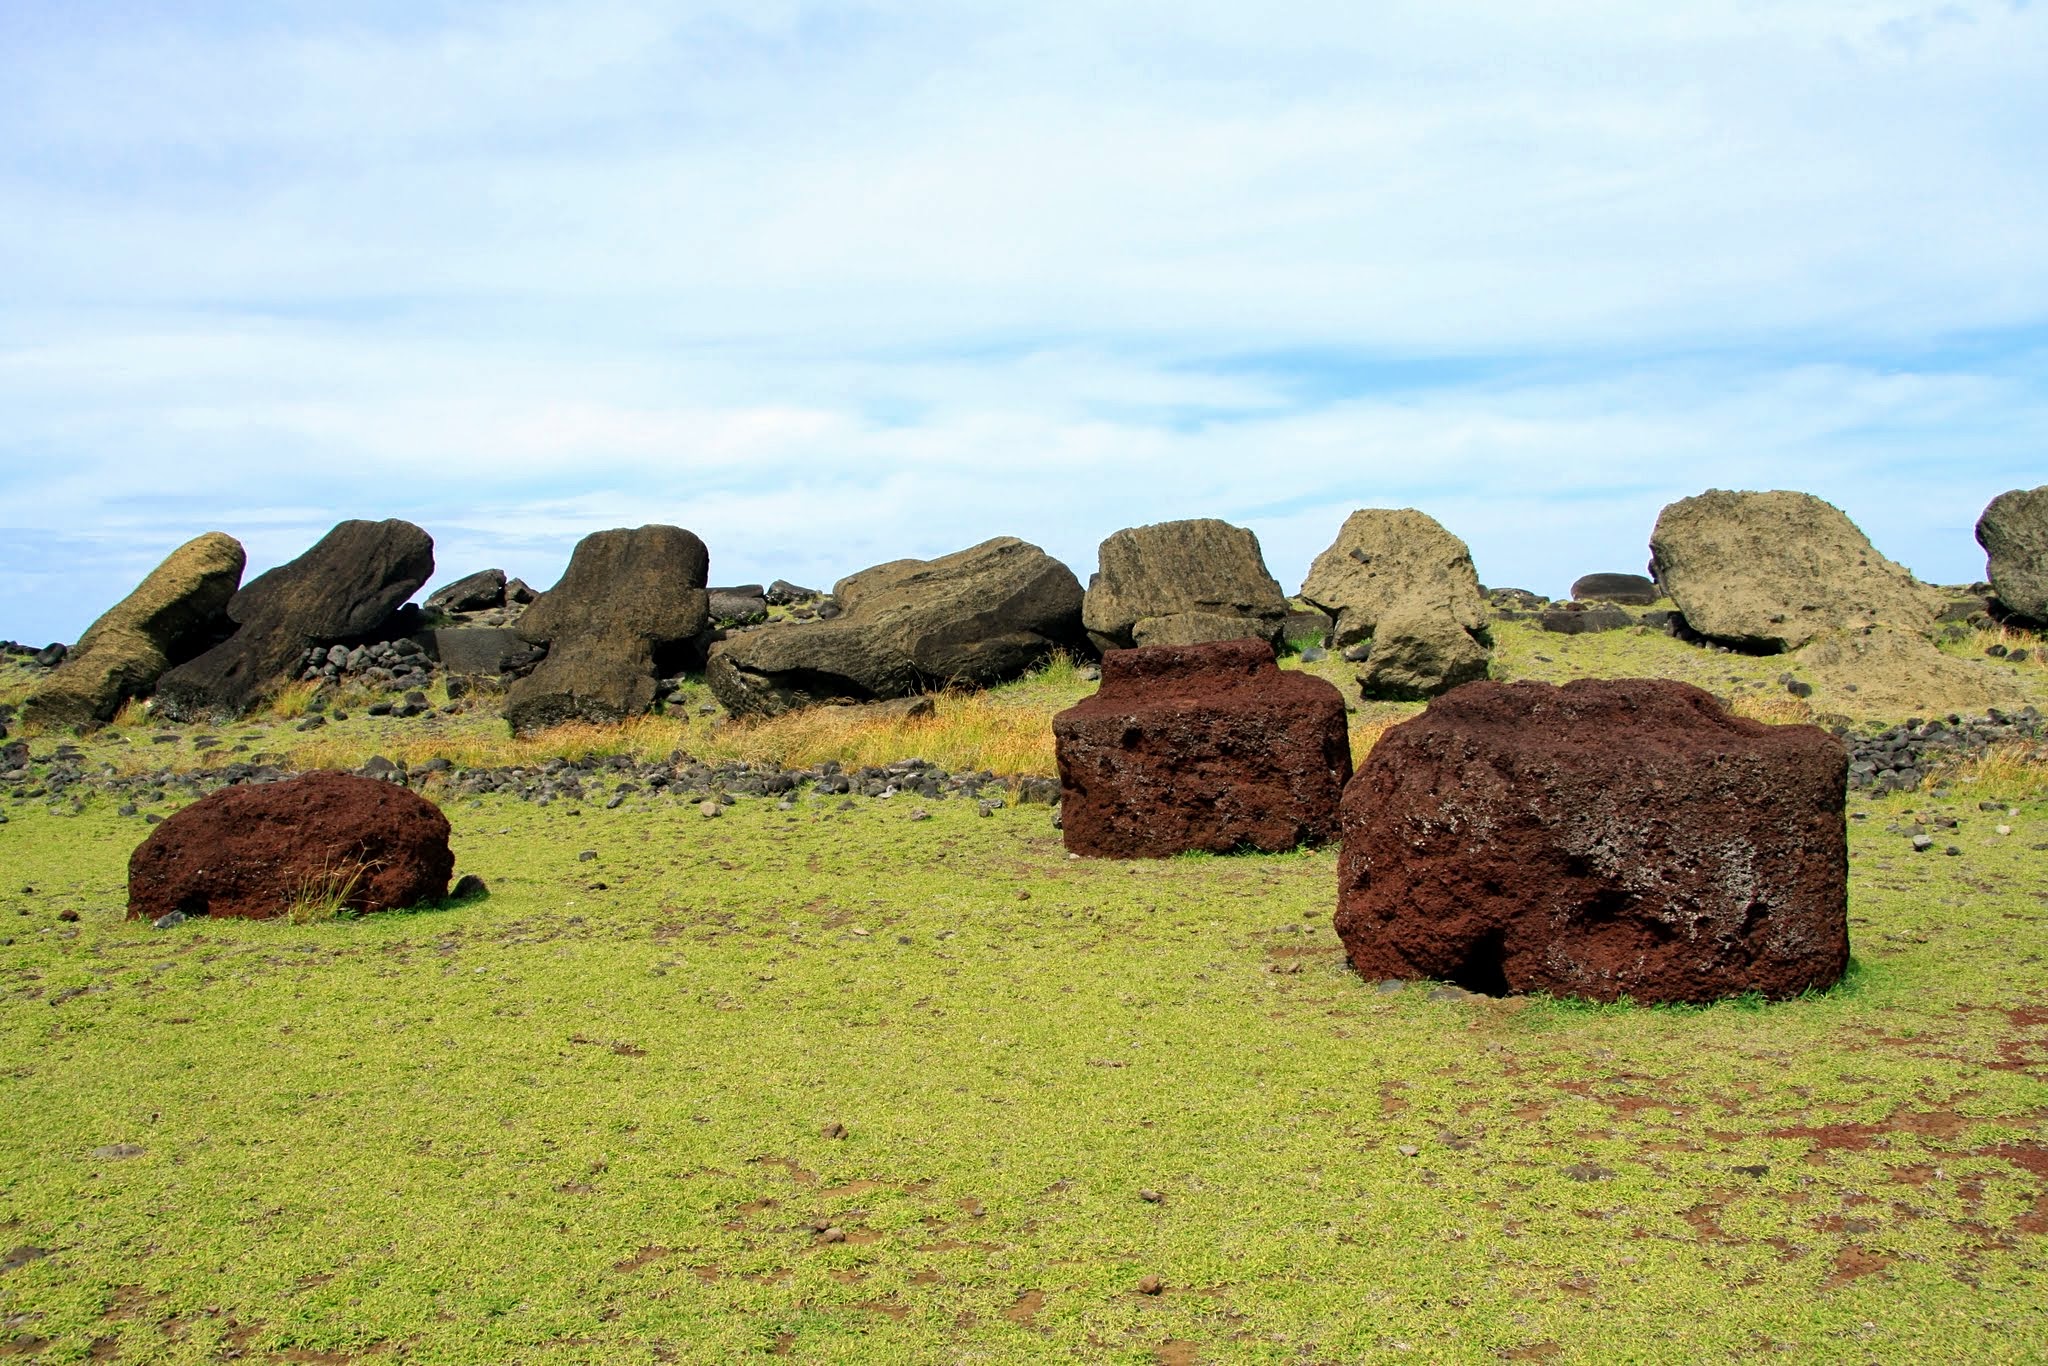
835, 283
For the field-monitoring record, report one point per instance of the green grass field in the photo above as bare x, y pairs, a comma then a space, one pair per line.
587, 1119
844, 1085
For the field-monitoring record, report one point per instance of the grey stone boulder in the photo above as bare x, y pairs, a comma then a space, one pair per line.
173, 614
1579, 620
1182, 583
1420, 651
474, 651
2014, 534
1386, 556
1771, 572
744, 605
627, 598
478, 592
1627, 590
345, 587
972, 618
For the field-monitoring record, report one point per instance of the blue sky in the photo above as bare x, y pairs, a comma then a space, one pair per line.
833, 284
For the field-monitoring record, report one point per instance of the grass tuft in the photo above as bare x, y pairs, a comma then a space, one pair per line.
325, 896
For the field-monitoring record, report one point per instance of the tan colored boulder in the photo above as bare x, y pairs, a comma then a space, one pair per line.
1419, 651
1772, 571
1181, 583
1883, 673
626, 596
1385, 556
972, 618
172, 615
2014, 534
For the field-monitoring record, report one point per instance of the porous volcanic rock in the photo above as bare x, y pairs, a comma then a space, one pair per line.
254, 850
1421, 649
626, 597
1386, 556
346, 586
972, 618
1769, 572
1181, 583
1201, 747
2014, 534
1628, 590
1600, 839
173, 614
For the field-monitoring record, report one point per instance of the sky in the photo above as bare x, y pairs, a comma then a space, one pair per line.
832, 284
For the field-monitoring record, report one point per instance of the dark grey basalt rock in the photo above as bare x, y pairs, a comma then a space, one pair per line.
972, 618
342, 589
626, 598
476, 592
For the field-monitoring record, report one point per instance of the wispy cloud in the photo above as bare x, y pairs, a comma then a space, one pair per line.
831, 284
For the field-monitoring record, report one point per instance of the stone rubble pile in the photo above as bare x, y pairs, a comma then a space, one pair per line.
391, 664
1901, 757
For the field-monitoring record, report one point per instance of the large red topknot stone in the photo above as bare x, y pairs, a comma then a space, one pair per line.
1201, 747
253, 850
1602, 839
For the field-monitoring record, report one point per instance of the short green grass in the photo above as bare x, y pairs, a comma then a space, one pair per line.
588, 1118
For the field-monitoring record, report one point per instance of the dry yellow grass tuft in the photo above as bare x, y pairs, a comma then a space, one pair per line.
292, 699
1774, 709
2016, 770
643, 737
966, 732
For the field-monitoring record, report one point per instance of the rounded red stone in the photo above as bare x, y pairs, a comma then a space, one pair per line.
253, 850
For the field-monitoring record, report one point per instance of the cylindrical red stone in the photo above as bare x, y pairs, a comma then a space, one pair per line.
1607, 838
1208, 747
254, 850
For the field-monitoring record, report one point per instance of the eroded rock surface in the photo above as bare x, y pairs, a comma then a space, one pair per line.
1882, 673
173, 614
1420, 649
2014, 534
1182, 583
1769, 572
972, 618
626, 596
1600, 839
346, 586
253, 851
1383, 557
1201, 747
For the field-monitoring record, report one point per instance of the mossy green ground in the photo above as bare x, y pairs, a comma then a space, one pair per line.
585, 1119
